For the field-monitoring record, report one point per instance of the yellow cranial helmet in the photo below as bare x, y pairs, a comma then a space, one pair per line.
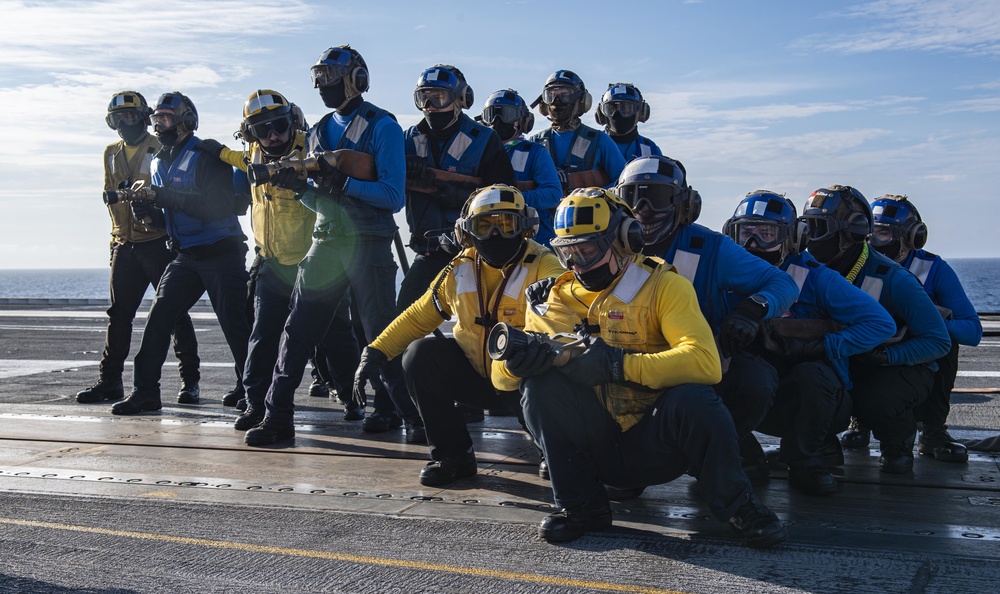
598, 217
496, 210
127, 107
265, 102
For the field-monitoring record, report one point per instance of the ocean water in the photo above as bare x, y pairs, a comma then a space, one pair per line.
979, 276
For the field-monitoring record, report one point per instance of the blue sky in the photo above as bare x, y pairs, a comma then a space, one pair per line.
890, 96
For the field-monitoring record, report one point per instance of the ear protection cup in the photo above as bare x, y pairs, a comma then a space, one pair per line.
532, 215
643, 112
692, 208
858, 226
629, 236
245, 133
359, 78
542, 107
914, 230
298, 118
586, 102
600, 117
800, 236
527, 123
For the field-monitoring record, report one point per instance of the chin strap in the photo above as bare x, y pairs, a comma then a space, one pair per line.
853, 274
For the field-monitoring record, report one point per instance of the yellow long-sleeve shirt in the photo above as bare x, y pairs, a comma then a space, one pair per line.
651, 312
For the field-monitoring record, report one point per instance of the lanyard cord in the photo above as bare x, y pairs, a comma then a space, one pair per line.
853, 274
487, 317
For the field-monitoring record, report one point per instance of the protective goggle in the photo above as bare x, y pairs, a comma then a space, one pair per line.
507, 225
508, 114
625, 109
561, 94
582, 254
435, 97
277, 125
766, 234
164, 120
884, 235
824, 227
654, 197
127, 117
324, 75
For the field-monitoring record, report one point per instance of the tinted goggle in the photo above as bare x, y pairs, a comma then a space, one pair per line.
435, 97
766, 234
128, 117
508, 114
278, 126
560, 94
324, 75
824, 227
625, 109
507, 225
654, 197
582, 254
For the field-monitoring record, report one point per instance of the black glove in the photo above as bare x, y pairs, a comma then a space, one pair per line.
329, 178
147, 214
876, 357
368, 371
452, 194
564, 181
797, 350
740, 327
534, 359
416, 167
211, 146
289, 178
598, 365
538, 291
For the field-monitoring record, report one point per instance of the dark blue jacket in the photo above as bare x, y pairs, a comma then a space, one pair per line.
640, 146
942, 285
582, 149
531, 162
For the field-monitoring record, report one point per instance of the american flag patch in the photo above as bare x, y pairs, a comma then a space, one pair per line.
616, 315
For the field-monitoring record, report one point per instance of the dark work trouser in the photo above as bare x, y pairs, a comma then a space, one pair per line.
884, 398
933, 412
423, 270
811, 406
224, 276
438, 374
271, 305
688, 430
362, 265
747, 389
134, 266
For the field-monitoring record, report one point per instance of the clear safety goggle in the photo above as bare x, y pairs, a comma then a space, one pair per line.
582, 254
626, 109
507, 225
766, 234
164, 120
324, 75
562, 94
128, 117
884, 235
508, 114
278, 125
436, 97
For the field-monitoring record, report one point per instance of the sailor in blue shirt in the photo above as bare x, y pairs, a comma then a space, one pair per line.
890, 380
573, 146
901, 234
621, 110
352, 241
507, 113
812, 403
656, 189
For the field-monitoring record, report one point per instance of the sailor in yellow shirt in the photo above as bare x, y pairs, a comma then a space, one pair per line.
636, 408
483, 285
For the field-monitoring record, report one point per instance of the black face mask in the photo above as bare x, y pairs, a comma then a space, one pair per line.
621, 125
132, 134
334, 95
168, 137
440, 120
825, 250
504, 131
498, 251
596, 279
773, 258
890, 250
561, 113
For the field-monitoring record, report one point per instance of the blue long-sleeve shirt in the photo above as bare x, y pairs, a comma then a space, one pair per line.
715, 265
390, 165
943, 287
900, 293
826, 295
608, 157
531, 162
640, 146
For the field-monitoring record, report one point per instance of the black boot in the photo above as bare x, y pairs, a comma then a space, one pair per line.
571, 523
812, 480
189, 393
104, 389
897, 455
415, 432
443, 472
380, 422
233, 396
753, 460
270, 431
137, 402
756, 525
250, 418
857, 435
937, 442
319, 389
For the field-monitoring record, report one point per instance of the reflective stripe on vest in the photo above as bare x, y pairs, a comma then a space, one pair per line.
873, 286
630, 283
799, 275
